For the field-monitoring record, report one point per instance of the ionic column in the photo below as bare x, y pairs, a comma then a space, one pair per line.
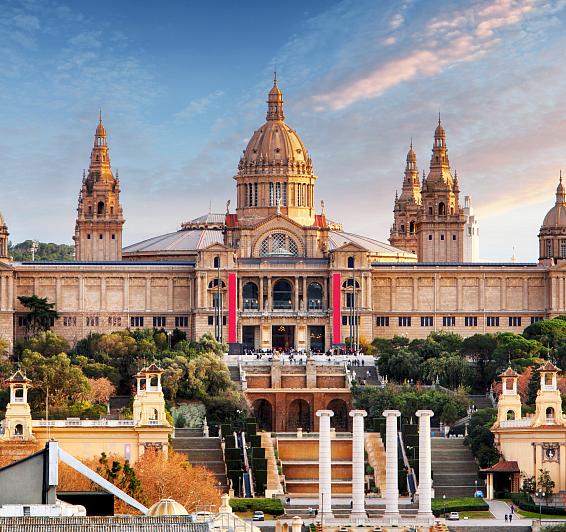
391, 466
324, 465
358, 514
425, 480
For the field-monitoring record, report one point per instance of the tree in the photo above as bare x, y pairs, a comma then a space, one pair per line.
207, 376
529, 484
46, 343
533, 388
41, 315
480, 348
545, 482
550, 333
66, 383
100, 390
480, 438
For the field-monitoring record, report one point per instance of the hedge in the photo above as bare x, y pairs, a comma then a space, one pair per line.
464, 504
525, 502
268, 506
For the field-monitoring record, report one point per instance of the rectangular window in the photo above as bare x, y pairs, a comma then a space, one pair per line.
115, 321
284, 199
534, 319
427, 321
69, 321
382, 321
271, 195
514, 321
23, 321
430, 237
563, 249
211, 320
493, 321
223, 320
404, 321
344, 320
549, 248
441, 237
181, 321
92, 321
349, 300
471, 321
159, 321
216, 300
255, 194
136, 321
453, 237
448, 321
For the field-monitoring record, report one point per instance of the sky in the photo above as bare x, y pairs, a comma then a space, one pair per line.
182, 87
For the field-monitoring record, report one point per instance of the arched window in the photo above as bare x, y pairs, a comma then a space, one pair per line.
430, 210
351, 262
216, 262
278, 244
250, 296
402, 228
19, 430
112, 210
214, 283
100, 208
510, 415
282, 295
441, 209
550, 413
314, 296
549, 249
412, 228
349, 283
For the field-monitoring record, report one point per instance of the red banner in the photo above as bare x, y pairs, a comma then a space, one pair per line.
336, 309
232, 308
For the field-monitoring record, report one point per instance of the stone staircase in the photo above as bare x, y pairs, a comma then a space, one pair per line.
367, 373
454, 469
235, 374
201, 451
480, 401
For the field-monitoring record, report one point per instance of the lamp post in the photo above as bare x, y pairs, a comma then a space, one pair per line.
540, 494
476, 484
444, 505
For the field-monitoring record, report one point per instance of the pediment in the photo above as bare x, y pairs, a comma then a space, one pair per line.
278, 221
350, 247
215, 247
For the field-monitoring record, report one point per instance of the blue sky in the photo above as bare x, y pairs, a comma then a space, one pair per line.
182, 86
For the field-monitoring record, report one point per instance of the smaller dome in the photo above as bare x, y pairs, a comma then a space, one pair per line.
556, 217
439, 131
411, 155
167, 507
275, 92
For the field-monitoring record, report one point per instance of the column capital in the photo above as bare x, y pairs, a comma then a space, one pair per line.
391, 413
424, 413
358, 413
324, 413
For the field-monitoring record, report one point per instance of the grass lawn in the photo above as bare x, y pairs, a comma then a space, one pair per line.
536, 515
477, 515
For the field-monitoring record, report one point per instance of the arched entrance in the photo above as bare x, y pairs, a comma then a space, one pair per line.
263, 412
299, 416
282, 295
339, 420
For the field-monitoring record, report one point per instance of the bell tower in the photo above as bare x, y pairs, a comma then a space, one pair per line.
509, 403
98, 229
440, 227
17, 423
549, 401
403, 234
149, 403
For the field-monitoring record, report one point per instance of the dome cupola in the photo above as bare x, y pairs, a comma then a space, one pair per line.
552, 235
275, 172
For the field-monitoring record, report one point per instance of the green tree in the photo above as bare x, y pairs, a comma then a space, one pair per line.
480, 348
533, 387
400, 365
207, 376
480, 438
41, 315
46, 342
550, 333
529, 484
545, 482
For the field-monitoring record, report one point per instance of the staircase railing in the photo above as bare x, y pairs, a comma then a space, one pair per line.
411, 478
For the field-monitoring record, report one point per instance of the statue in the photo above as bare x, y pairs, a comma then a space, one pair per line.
322, 206
228, 207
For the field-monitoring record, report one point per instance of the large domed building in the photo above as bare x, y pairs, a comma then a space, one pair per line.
277, 272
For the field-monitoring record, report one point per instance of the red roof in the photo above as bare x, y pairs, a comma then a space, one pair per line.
509, 372
503, 466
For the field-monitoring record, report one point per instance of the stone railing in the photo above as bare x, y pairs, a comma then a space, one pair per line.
87, 423
515, 423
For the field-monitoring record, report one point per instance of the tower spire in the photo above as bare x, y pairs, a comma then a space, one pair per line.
275, 101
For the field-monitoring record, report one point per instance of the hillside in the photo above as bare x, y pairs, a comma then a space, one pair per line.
46, 251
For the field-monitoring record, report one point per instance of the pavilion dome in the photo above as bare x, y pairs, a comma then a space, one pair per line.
167, 507
556, 216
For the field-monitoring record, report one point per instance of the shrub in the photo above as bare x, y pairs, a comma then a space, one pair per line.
465, 504
525, 502
268, 506
190, 415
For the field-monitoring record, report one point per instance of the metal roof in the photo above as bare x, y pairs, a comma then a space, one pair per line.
338, 239
182, 240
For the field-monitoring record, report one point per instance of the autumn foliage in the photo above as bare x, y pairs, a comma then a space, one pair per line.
153, 477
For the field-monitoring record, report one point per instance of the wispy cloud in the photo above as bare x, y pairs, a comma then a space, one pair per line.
448, 40
199, 105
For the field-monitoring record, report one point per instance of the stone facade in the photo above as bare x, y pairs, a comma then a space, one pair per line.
277, 273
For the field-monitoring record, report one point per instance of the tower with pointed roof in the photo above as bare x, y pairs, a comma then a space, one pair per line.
17, 422
275, 173
403, 233
4, 239
98, 228
552, 234
440, 225
509, 403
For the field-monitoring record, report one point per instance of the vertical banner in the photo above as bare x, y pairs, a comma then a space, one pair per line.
232, 308
336, 310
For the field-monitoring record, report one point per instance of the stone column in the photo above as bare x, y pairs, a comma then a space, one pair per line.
324, 466
296, 524
358, 514
425, 458
391, 514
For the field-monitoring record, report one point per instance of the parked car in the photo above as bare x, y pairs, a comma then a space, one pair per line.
453, 516
258, 516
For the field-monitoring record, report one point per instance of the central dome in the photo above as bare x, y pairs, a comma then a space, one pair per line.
275, 147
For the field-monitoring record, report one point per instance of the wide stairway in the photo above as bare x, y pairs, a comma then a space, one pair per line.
480, 401
202, 451
235, 374
454, 469
366, 373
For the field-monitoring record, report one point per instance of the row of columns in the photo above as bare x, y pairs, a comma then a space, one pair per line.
358, 514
